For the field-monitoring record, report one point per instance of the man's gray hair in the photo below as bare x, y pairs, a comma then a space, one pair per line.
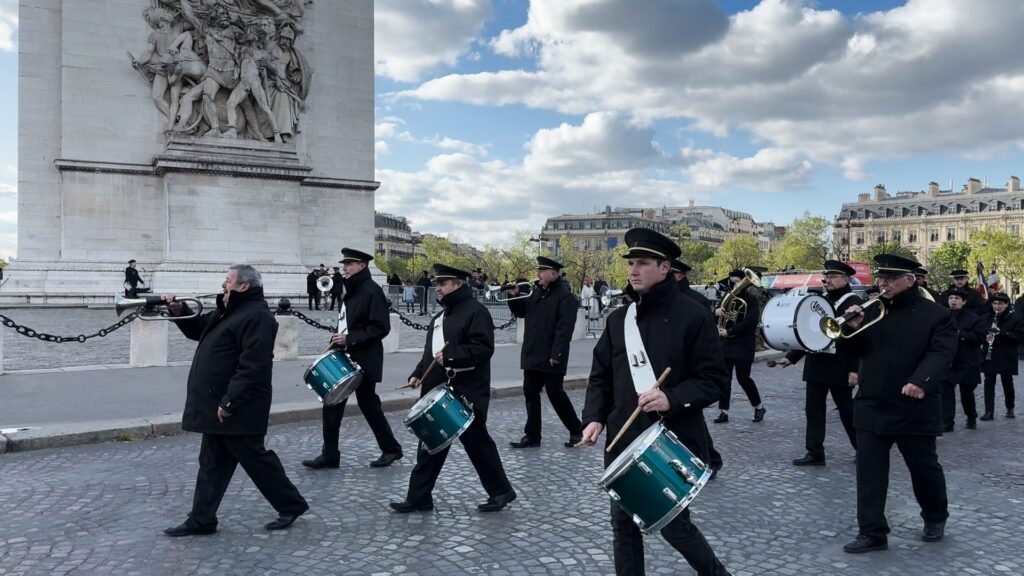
246, 274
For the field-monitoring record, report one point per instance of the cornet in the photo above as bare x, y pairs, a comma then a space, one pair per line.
497, 293
833, 327
149, 306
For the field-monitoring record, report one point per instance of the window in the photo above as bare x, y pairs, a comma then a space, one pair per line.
586, 244
895, 235
912, 236
880, 236
933, 235
860, 238
950, 233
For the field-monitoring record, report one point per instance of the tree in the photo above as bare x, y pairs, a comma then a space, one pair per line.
887, 247
735, 253
581, 264
949, 256
695, 253
805, 245
1003, 249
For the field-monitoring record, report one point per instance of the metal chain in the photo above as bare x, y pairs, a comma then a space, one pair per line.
406, 321
507, 324
308, 320
30, 333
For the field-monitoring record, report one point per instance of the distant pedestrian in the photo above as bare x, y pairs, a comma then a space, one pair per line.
131, 280
423, 289
409, 296
312, 291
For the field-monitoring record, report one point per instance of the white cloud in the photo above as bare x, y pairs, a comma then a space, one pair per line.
446, 143
381, 148
392, 128
412, 37
10, 217
8, 25
8, 191
807, 84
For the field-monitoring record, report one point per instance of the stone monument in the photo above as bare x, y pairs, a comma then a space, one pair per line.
190, 135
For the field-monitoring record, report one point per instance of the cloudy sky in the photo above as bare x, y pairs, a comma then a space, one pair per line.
495, 114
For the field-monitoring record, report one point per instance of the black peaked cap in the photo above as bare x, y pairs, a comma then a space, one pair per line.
353, 255
646, 242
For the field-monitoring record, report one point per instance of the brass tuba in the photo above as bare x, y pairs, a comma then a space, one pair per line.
735, 308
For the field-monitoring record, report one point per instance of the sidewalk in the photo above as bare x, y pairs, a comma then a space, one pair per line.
69, 407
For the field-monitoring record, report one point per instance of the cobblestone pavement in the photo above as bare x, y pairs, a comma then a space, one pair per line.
22, 353
99, 509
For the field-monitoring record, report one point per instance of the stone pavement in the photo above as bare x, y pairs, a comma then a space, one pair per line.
99, 509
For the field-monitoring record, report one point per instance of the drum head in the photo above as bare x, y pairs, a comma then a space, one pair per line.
424, 403
623, 461
811, 310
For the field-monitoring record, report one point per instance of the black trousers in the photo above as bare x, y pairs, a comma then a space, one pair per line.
482, 452
628, 544
313, 298
714, 457
369, 405
742, 370
814, 410
966, 401
219, 455
533, 382
334, 300
873, 478
990, 391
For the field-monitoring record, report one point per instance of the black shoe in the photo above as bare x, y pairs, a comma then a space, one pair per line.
972, 424
497, 503
190, 528
759, 414
862, 544
722, 418
385, 459
574, 439
1009, 413
948, 427
283, 521
525, 442
810, 459
933, 531
321, 461
404, 507
986, 417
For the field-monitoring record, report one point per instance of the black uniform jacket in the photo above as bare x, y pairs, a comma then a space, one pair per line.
550, 318
1004, 348
131, 276
692, 294
339, 283
678, 333
232, 367
914, 344
739, 344
366, 311
967, 362
311, 286
975, 303
469, 331
832, 369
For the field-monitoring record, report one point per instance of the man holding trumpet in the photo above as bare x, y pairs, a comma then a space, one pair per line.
676, 333
905, 348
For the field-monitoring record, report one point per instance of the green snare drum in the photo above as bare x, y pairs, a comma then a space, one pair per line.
333, 376
438, 418
655, 478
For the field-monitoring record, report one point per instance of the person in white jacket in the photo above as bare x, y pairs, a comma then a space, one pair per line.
588, 298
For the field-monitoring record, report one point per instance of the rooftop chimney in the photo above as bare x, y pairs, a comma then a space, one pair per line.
863, 198
880, 193
973, 185
933, 189
1013, 185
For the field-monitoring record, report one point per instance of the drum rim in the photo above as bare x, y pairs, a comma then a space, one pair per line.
638, 446
429, 398
678, 508
317, 361
356, 375
796, 313
769, 340
453, 437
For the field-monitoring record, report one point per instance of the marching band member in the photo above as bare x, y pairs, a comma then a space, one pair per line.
829, 372
738, 343
966, 369
903, 360
674, 331
461, 341
550, 313
1006, 332
363, 325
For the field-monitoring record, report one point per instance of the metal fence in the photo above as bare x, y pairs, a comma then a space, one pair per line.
414, 301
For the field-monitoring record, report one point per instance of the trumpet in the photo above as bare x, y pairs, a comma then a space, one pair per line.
497, 293
735, 308
833, 327
150, 305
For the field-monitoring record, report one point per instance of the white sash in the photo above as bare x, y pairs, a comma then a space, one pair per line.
639, 363
342, 321
437, 340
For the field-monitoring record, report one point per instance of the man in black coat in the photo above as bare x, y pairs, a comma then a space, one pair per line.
550, 313
363, 323
131, 280
966, 369
337, 287
904, 359
1004, 336
424, 291
975, 303
828, 372
312, 290
738, 340
676, 333
462, 349
921, 279
228, 401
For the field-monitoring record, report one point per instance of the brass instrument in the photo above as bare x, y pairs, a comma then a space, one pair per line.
324, 283
735, 308
610, 296
149, 305
833, 327
497, 293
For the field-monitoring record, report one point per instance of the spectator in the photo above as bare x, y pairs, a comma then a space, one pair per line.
588, 298
312, 291
423, 286
409, 296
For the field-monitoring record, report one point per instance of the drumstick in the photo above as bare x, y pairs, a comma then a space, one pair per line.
636, 412
427, 371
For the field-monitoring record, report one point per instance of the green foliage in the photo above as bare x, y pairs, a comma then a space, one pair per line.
805, 245
695, 253
949, 256
581, 264
736, 252
1003, 249
887, 247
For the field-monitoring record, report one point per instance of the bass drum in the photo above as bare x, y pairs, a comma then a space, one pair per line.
793, 323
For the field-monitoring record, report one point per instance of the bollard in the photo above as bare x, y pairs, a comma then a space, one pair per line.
286, 345
579, 331
148, 343
520, 330
391, 341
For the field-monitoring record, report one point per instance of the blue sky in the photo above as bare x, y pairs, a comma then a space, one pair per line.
493, 115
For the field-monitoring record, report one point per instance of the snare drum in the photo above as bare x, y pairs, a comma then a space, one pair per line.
333, 376
438, 418
655, 478
792, 322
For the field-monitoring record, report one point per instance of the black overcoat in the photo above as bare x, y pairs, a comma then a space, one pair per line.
232, 366
975, 303
739, 344
469, 332
311, 286
1004, 349
914, 343
550, 318
369, 322
967, 362
826, 368
677, 333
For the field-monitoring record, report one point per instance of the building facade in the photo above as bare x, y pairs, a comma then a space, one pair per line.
393, 238
923, 220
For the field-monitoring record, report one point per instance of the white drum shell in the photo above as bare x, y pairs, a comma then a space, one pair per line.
792, 323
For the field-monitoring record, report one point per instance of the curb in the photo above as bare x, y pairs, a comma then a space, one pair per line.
59, 436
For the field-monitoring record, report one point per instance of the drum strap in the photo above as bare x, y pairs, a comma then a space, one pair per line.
639, 363
342, 321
